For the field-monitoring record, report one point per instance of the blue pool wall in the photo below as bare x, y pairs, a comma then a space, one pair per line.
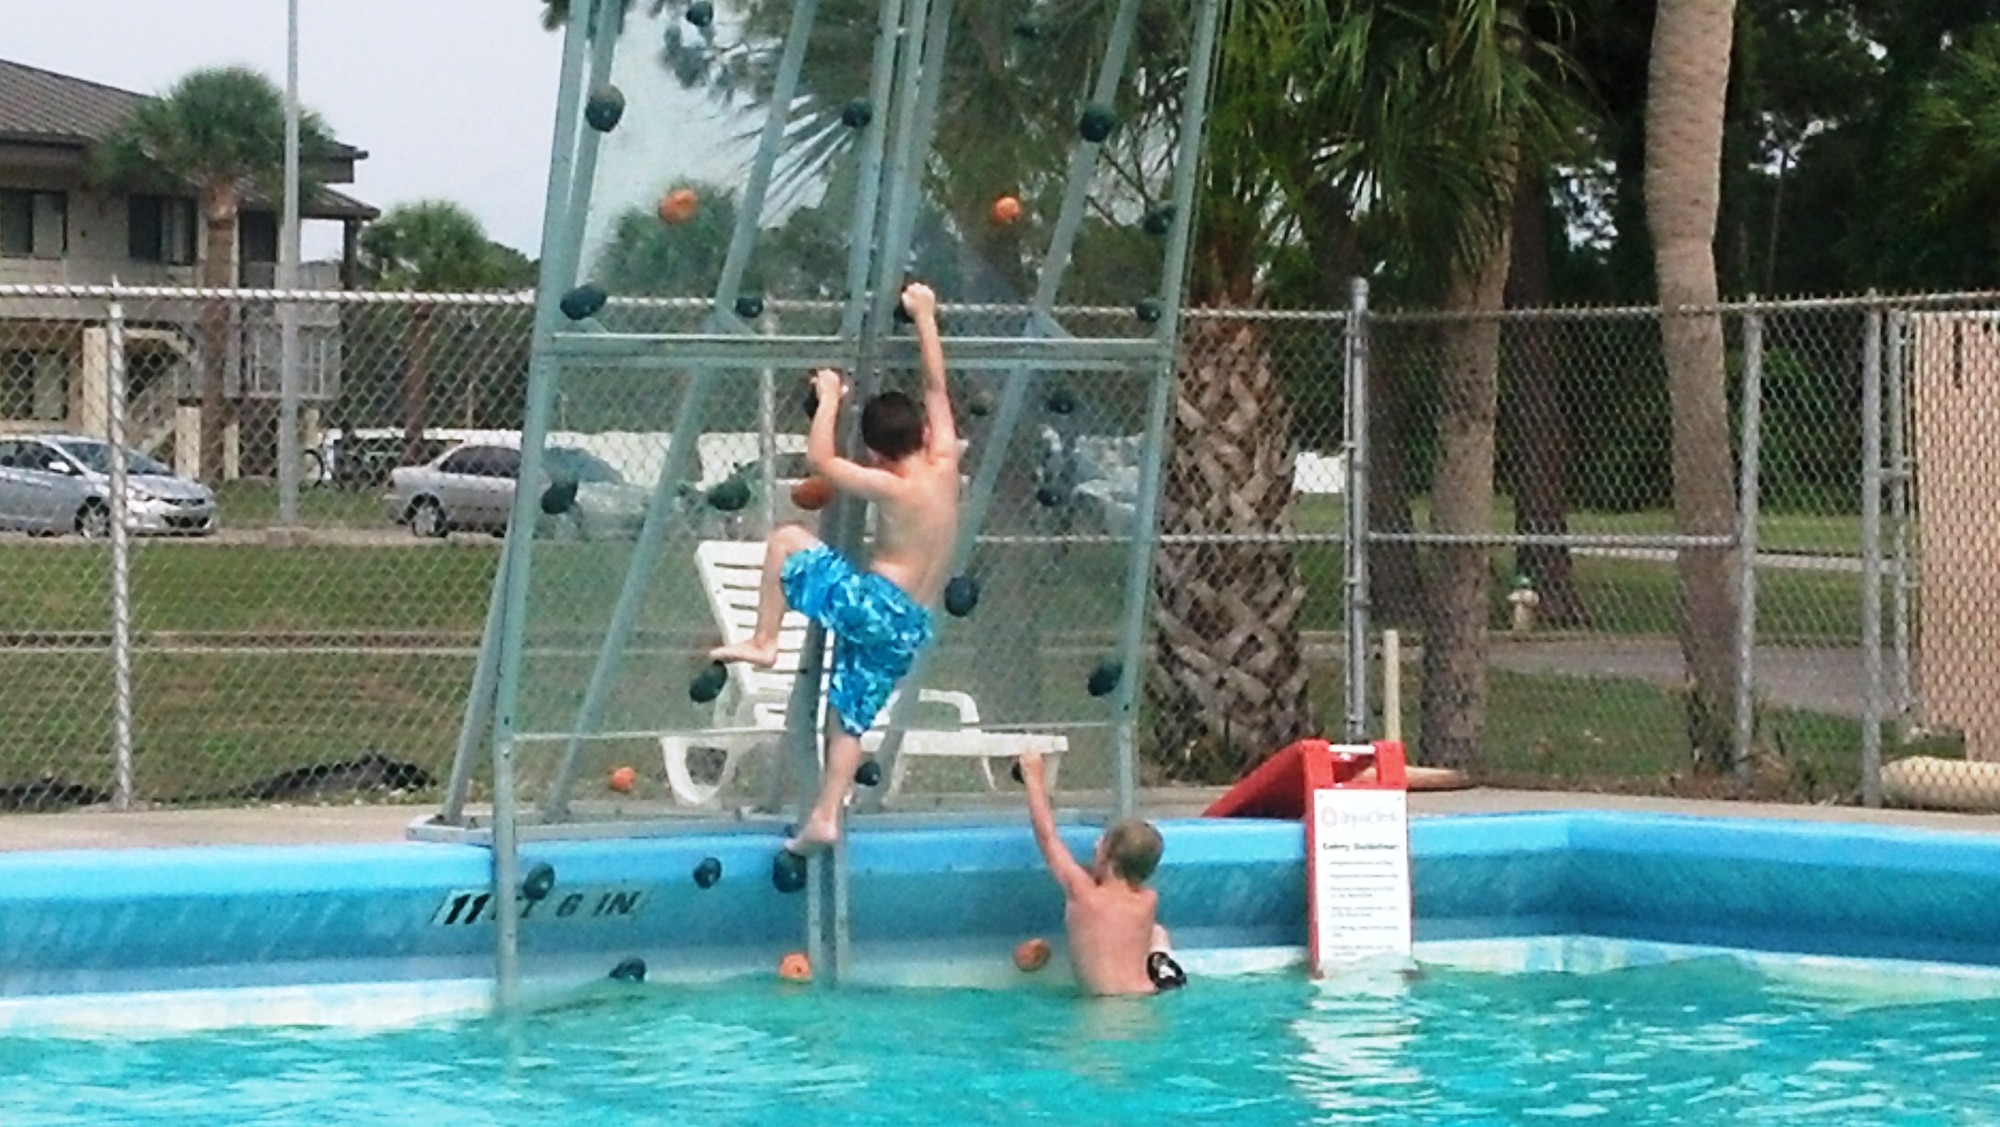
106, 921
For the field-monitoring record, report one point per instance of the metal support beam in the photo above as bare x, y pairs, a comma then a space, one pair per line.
687, 423
572, 164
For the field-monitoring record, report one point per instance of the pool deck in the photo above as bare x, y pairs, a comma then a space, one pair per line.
359, 824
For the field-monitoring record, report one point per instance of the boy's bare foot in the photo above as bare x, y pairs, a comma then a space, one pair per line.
814, 835
762, 655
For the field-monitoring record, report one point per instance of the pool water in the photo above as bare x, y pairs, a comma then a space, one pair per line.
1706, 1041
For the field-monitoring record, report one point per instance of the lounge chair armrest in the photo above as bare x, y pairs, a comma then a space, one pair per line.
968, 709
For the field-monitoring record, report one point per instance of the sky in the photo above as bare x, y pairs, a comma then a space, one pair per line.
451, 99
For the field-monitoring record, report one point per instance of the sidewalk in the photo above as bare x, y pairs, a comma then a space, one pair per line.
334, 825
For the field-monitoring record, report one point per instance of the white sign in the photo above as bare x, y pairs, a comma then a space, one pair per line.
1360, 845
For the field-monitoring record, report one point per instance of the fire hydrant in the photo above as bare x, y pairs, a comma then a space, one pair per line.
1524, 600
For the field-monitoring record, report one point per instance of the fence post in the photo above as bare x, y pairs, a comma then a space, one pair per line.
1871, 558
1898, 481
1747, 540
1355, 592
288, 280
121, 559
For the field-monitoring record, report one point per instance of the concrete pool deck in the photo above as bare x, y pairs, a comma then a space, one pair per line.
361, 824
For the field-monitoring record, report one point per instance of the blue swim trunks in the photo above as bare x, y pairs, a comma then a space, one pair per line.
877, 630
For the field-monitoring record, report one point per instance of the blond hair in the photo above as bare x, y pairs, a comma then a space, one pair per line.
1133, 847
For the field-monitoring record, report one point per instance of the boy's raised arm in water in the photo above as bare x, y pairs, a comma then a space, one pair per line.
1076, 881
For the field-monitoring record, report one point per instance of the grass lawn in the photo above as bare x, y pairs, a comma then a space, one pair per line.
208, 721
1615, 735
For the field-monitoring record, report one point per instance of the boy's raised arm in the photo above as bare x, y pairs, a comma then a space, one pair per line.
823, 448
922, 306
1073, 878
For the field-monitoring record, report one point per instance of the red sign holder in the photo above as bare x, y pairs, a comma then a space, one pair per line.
1354, 801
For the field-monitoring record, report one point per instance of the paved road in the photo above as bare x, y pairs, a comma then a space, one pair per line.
1782, 561
383, 537
1821, 679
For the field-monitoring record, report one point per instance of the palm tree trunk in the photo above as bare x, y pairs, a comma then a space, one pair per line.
1228, 679
219, 206
1456, 609
1688, 82
1536, 421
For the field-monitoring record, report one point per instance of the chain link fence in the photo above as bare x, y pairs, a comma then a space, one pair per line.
328, 657
324, 658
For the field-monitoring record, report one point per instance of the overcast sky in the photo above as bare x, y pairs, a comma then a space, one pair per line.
449, 98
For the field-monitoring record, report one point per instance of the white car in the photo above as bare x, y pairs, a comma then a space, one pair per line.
471, 488
53, 484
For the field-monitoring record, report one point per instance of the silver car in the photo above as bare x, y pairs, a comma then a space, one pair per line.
471, 488
53, 484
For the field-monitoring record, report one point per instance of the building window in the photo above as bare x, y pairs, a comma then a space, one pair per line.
33, 224
34, 384
160, 229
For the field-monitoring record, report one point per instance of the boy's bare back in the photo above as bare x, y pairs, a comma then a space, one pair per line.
1110, 934
916, 497
1111, 921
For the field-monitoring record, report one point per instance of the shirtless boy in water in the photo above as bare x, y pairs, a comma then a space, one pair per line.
879, 618
1116, 944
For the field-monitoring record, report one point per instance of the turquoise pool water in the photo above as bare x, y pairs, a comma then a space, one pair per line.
1707, 1041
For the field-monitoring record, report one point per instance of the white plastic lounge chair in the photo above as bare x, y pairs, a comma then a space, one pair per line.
750, 713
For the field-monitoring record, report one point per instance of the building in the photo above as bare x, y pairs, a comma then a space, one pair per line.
58, 227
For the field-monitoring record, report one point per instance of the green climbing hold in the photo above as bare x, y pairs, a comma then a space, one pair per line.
1061, 401
729, 496
559, 497
1158, 221
868, 774
708, 684
701, 13
538, 881
788, 871
1097, 123
857, 113
979, 404
583, 301
604, 108
1147, 310
708, 872
1048, 496
749, 307
1104, 679
961, 595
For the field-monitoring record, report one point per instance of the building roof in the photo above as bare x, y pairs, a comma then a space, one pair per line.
43, 107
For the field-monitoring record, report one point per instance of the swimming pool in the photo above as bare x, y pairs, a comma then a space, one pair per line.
1701, 1041
1614, 967
375, 934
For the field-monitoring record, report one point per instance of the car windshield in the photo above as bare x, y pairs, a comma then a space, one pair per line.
96, 457
571, 464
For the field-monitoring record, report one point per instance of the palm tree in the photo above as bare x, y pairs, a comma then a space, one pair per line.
220, 132
432, 246
1688, 81
1375, 134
